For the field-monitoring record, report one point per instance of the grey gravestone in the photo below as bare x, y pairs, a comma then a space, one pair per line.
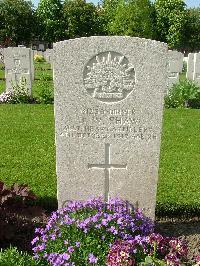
190, 67
196, 76
18, 67
175, 67
41, 47
108, 115
48, 56
32, 65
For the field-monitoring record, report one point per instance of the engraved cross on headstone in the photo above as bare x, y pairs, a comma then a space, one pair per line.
107, 166
17, 70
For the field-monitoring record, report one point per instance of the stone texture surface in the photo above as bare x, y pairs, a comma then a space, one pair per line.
175, 67
32, 65
48, 56
190, 66
18, 67
108, 116
196, 76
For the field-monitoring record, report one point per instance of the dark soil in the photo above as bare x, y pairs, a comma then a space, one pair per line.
184, 229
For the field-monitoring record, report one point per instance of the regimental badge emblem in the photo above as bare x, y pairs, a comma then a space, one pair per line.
108, 77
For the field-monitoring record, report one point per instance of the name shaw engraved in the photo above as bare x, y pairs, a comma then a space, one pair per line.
108, 77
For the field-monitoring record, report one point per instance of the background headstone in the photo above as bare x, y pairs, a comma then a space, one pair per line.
48, 56
108, 115
190, 66
18, 67
175, 67
32, 65
41, 47
196, 74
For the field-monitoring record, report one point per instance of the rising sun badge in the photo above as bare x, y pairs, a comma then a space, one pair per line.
108, 77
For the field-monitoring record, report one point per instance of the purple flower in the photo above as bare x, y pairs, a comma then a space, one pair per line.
78, 244
92, 258
35, 240
87, 223
70, 249
66, 256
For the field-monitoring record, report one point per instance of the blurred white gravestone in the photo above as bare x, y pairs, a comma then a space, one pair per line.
190, 66
193, 67
32, 65
175, 67
196, 74
108, 116
48, 55
18, 68
41, 47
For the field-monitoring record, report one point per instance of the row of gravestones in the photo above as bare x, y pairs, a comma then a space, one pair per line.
109, 95
19, 62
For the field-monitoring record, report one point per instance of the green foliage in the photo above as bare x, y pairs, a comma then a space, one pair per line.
45, 93
133, 18
80, 18
16, 21
192, 37
171, 21
50, 18
20, 92
181, 94
43, 87
13, 257
108, 12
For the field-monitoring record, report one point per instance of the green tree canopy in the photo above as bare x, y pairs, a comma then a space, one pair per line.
171, 19
133, 18
16, 21
192, 36
81, 19
50, 19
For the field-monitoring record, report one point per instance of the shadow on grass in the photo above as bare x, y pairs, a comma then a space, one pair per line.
182, 212
49, 204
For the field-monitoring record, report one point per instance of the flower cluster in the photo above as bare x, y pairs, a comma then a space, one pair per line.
82, 232
197, 259
6, 97
39, 58
155, 247
19, 93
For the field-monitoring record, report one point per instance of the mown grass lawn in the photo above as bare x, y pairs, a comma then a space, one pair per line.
27, 147
28, 153
179, 182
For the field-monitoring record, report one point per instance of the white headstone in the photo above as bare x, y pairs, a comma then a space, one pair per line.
32, 65
196, 74
48, 56
18, 67
108, 116
175, 67
190, 67
41, 47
